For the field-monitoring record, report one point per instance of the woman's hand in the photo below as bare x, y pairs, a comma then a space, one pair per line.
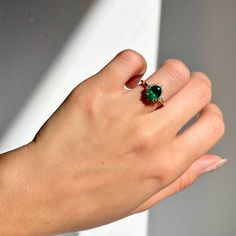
104, 154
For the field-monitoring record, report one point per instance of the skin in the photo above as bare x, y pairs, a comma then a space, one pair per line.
104, 155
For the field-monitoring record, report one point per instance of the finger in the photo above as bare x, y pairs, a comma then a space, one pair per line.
186, 103
126, 65
133, 82
201, 136
172, 76
205, 163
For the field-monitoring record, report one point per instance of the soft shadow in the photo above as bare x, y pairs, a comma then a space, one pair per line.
68, 234
32, 34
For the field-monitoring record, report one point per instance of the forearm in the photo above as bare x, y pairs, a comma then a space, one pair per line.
18, 211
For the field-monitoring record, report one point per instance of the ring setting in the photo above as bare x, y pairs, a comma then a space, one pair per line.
152, 93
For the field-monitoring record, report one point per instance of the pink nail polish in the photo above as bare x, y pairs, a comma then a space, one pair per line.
215, 166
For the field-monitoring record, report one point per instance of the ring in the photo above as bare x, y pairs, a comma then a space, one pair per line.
152, 93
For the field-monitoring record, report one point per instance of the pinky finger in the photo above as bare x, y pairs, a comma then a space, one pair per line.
205, 163
200, 137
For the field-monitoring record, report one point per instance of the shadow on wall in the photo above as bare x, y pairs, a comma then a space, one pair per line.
68, 234
202, 33
32, 34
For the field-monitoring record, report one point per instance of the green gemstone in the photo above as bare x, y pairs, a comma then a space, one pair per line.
153, 93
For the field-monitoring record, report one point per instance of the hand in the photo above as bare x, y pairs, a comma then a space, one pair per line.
104, 154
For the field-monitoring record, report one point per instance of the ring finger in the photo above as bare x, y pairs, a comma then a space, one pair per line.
172, 76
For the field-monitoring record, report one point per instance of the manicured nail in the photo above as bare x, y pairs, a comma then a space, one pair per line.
215, 166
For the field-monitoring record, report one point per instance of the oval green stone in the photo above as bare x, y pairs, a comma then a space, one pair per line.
153, 93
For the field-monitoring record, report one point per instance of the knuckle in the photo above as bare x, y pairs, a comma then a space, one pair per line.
177, 69
132, 57
164, 172
217, 126
215, 109
144, 139
202, 76
201, 88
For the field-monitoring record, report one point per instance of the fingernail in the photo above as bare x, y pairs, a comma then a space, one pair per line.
215, 166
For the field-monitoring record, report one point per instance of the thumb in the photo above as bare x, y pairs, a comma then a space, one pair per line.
205, 163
